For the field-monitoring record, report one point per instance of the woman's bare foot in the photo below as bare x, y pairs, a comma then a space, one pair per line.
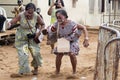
57, 72
74, 72
35, 72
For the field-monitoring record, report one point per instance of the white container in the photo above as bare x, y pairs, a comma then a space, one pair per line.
34, 78
83, 78
63, 45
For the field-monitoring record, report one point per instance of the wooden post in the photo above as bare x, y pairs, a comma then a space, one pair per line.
107, 59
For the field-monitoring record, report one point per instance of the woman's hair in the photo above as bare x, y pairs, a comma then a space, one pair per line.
38, 10
61, 1
63, 12
19, 1
30, 6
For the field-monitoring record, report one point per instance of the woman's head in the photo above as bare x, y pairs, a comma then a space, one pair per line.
29, 10
61, 15
20, 2
38, 10
59, 4
30, 6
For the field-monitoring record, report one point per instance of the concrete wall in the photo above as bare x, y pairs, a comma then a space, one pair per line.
9, 5
79, 14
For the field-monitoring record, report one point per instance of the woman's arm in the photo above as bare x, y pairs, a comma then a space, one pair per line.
41, 25
82, 27
50, 9
40, 22
86, 39
13, 21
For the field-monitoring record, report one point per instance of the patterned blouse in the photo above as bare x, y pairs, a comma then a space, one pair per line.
71, 33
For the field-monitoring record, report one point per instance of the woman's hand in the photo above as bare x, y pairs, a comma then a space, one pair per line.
37, 34
85, 43
44, 31
8, 25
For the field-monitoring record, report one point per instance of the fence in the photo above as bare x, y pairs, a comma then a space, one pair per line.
107, 60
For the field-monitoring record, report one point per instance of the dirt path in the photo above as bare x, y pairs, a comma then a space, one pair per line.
85, 66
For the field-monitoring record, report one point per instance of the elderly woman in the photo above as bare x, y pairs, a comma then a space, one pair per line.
71, 31
23, 43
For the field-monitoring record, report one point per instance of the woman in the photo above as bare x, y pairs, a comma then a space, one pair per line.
23, 43
59, 4
51, 37
71, 31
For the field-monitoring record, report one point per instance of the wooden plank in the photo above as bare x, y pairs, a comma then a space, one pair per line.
93, 30
7, 34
